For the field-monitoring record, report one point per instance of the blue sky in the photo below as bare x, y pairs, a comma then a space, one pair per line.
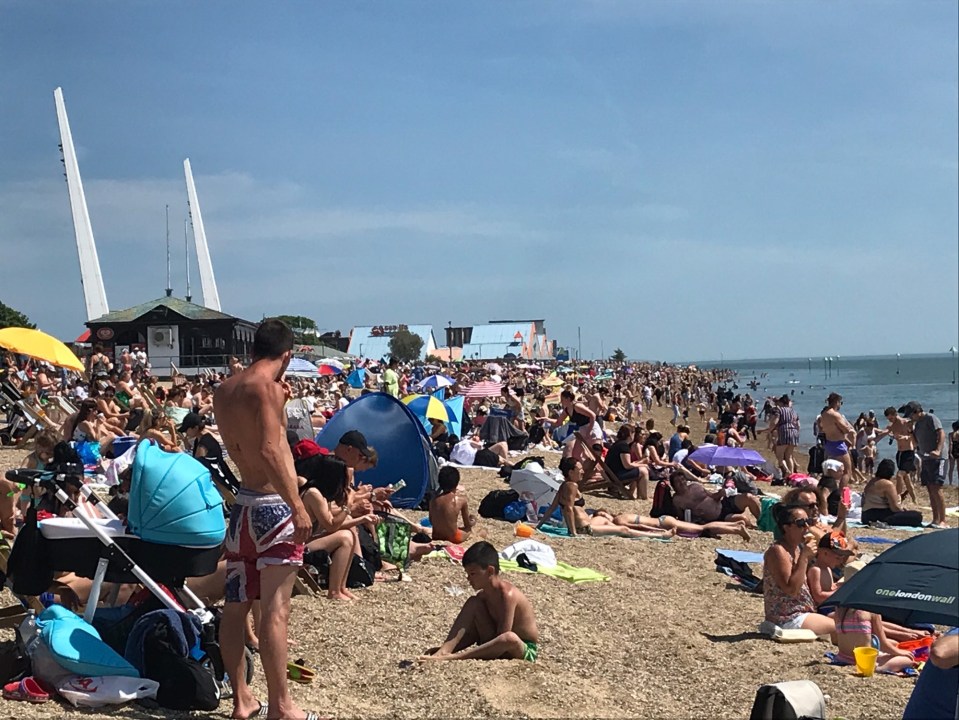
679, 179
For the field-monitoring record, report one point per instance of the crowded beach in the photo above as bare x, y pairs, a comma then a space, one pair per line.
617, 539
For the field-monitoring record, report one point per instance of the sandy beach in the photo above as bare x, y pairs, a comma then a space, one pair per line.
666, 637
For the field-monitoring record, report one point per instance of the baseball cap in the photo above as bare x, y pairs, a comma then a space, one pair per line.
356, 439
191, 420
836, 542
909, 408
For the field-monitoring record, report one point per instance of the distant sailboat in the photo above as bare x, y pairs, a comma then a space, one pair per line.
211, 298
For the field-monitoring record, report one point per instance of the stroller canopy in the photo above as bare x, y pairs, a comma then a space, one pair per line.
173, 501
399, 439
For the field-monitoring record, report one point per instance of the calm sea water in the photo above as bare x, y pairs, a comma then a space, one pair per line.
866, 383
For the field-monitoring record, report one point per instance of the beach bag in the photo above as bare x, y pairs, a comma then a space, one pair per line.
393, 537
793, 700
816, 457
29, 563
663, 500
185, 683
486, 458
495, 502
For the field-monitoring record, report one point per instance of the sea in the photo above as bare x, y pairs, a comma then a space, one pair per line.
865, 383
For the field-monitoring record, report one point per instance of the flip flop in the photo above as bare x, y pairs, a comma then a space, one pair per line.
28, 690
298, 672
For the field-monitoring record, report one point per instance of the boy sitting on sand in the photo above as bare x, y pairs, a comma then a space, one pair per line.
495, 624
449, 506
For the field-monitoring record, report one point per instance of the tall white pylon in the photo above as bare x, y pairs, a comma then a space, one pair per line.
94, 294
211, 298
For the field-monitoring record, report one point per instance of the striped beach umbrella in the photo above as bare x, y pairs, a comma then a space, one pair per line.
429, 407
435, 382
483, 389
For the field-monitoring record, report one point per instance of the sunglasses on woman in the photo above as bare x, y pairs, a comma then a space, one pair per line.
802, 522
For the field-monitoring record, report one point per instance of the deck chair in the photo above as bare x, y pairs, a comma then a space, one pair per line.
151, 399
38, 417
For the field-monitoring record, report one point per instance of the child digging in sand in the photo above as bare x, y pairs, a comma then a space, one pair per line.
495, 624
448, 507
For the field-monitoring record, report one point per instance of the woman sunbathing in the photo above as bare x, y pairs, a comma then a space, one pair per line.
571, 500
667, 522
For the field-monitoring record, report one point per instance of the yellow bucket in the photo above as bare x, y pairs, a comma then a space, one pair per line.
866, 660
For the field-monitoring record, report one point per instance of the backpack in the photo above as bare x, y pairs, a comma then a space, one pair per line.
793, 700
493, 505
536, 434
816, 457
663, 501
185, 683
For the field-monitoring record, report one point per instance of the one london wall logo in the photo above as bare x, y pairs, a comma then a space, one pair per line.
923, 597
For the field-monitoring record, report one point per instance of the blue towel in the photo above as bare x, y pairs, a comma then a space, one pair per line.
743, 556
876, 540
183, 633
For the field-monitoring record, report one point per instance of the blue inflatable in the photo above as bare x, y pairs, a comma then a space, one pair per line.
76, 645
400, 441
173, 500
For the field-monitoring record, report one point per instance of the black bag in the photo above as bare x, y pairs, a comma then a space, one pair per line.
185, 683
663, 501
370, 548
816, 457
493, 505
486, 458
360, 575
536, 434
29, 563
793, 700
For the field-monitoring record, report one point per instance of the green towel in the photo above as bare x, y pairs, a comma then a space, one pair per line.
563, 571
766, 522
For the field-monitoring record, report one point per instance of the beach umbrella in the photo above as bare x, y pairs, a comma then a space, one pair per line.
914, 581
482, 389
299, 367
551, 381
495, 368
330, 367
725, 455
429, 407
39, 345
435, 382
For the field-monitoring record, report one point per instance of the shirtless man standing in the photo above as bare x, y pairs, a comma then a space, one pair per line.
901, 430
840, 435
268, 523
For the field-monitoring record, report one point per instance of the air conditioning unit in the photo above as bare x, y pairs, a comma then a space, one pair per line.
163, 336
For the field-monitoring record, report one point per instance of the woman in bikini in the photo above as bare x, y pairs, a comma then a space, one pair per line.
578, 521
325, 481
582, 419
636, 521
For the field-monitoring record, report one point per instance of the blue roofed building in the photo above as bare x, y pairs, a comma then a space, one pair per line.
509, 339
373, 341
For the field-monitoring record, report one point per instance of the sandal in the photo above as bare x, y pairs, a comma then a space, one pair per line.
28, 690
298, 672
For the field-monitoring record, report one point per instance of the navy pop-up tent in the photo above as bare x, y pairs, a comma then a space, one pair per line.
400, 441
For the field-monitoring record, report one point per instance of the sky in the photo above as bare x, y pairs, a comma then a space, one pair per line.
682, 180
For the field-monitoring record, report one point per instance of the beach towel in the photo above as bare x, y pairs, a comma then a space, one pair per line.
870, 540
561, 531
743, 556
562, 571
834, 659
858, 524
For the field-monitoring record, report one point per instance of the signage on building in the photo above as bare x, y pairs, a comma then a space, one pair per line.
105, 333
386, 330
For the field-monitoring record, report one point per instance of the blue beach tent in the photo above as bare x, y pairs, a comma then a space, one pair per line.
400, 441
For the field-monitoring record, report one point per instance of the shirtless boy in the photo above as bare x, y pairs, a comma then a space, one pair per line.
268, 523
449, 506
900, 429
495, 624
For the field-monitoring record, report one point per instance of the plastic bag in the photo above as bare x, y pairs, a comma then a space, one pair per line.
94, 692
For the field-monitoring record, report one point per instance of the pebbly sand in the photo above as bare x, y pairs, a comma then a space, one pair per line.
666, 637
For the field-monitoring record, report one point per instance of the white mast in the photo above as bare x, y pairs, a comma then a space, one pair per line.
211, 298
94, 294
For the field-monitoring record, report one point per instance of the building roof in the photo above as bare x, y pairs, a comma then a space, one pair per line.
364, 343
189, 310
505, 337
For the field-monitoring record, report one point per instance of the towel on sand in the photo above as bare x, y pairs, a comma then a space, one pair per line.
743, 556
876, 540
904, 528
561, 531
563, 571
